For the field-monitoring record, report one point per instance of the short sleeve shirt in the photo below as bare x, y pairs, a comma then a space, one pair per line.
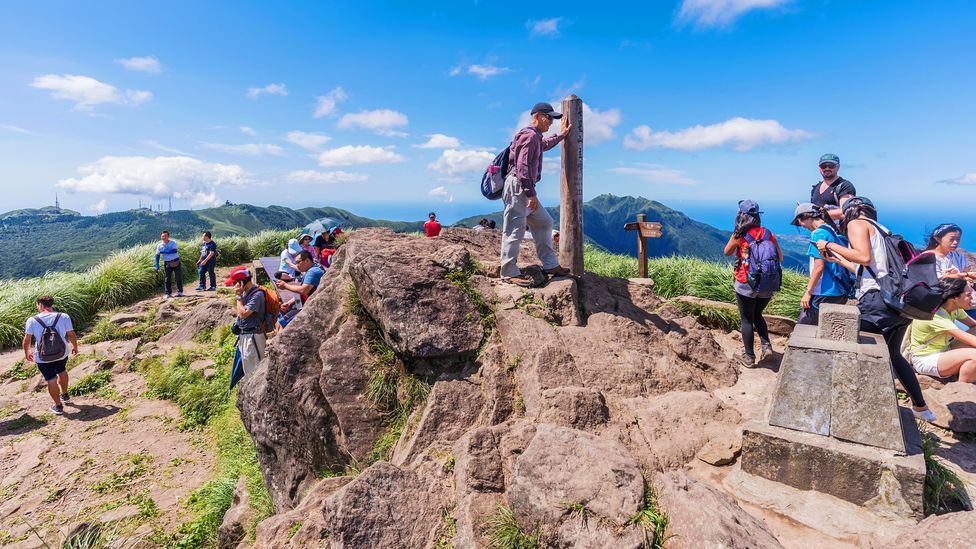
253, 301
284, 266
827, 285
432, 228
313, 276
206, 249
831, 197
63, 326
932, 336
952, 260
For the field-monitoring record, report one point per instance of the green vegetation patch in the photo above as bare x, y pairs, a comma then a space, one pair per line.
711, 316
446, 541
651, 518
91, 383
133, 466
199, 399
462, 279
504, 532
20, 372
944, 491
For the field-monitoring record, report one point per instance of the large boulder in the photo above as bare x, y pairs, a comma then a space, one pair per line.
207, 315
950, 531
954, 406
234, 526
702, 516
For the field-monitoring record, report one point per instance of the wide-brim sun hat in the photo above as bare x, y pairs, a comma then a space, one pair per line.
294, 247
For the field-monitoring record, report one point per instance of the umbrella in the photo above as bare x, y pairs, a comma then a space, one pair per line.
320, 226
237, 371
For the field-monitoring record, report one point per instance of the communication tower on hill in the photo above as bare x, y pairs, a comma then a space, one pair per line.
57, 204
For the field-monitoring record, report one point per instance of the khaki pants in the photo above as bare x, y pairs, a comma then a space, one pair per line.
252, 350
515, 219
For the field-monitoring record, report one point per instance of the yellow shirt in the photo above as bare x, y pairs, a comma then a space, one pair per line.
932, 336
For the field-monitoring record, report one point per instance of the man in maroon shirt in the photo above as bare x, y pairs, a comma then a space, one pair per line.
522, 208
432, 227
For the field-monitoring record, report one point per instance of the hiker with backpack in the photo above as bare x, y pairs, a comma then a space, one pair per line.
207, 263
758, 275
252, 317
52, 332
939, 347
895, 284
833, 191
944, 243
168, 250
522, 207
829, 282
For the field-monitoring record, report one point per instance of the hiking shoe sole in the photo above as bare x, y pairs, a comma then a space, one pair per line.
557, 271
521, 282
66, 399
56, 410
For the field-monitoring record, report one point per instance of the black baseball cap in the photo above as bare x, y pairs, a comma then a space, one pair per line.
546, 108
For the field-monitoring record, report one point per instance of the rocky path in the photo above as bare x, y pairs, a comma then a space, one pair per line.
116, 456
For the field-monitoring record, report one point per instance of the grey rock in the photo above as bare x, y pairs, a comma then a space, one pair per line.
234, 526
208, 315
577, 407
839, 322
954, 406
950, 531
720, 451
452, 408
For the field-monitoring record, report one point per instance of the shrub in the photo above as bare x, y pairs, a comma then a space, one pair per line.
91, 383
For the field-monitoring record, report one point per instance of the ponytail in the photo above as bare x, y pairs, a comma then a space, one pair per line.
855, 208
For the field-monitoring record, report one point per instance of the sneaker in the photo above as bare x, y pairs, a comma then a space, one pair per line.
558, 270
66, 398
179, 294
56, 409
924, 415
199, 289
521, 280
167, 296
212, 289
746, 360
765, 351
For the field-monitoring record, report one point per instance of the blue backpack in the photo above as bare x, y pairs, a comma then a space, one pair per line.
843, 278
493, 181
764, 272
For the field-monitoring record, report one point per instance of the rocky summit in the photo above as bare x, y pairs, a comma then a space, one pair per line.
417, 398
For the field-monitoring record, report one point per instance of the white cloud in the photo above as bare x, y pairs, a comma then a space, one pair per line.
141, 64
325, 105
99, 207
17, 129
245, 149
655, 173
312, 176
598, 126
86, 92
967, 179
721, 13
307, 140
483, 72
544, 27
454, 161
740, 134
247, 130
441, 193
270, 89
351, 155
440, 141
382, 121
178, 176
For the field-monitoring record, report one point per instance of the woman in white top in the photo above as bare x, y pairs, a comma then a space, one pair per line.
868, 250
939, 347
944, 243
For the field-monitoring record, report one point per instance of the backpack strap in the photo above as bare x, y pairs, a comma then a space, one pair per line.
38, 320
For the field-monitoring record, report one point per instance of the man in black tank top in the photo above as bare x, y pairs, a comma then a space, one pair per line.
834, 190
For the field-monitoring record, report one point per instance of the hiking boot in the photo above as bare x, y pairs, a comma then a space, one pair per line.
746, 360
765, 351
56, 409
558, 270
521, 280
65, 398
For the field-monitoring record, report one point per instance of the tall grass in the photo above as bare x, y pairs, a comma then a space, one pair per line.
123, 278
680, 275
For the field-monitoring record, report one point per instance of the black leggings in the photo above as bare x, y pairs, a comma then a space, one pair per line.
751, 319
903, 370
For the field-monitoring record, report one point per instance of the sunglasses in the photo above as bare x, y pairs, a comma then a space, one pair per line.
828, 166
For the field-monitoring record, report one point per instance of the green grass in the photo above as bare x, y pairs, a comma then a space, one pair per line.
446, 541
504, 533
944, 491
713, 317
294, 528
20, 372
651, 517
676, 276
91, 383
462, 279
133, 467
199, 399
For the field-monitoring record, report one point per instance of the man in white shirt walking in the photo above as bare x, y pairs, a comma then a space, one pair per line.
51, 332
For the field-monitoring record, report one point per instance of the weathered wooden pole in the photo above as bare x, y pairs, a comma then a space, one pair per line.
641, 249
571, 189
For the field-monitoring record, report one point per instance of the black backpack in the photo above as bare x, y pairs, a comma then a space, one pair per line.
50, 346
493, 181
911, 287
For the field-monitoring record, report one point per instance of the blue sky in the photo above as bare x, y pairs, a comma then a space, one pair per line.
326, 103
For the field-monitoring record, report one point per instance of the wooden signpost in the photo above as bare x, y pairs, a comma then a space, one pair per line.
645, 229
571, 190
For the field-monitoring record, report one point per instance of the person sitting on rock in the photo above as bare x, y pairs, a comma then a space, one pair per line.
944, 243
750, 233
522, 208
860, 226
829, 282
482, 225
311, 276
325, 241
305, 242
288, 268
937, 347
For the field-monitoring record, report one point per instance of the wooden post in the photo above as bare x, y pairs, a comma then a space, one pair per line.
644, 230
571, 189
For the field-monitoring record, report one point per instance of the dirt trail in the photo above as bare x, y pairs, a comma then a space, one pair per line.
116, 456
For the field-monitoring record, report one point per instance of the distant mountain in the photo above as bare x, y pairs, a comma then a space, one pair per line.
35, 212
603, 224
35, 241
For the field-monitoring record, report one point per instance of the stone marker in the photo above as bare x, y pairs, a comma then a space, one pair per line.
834, 425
